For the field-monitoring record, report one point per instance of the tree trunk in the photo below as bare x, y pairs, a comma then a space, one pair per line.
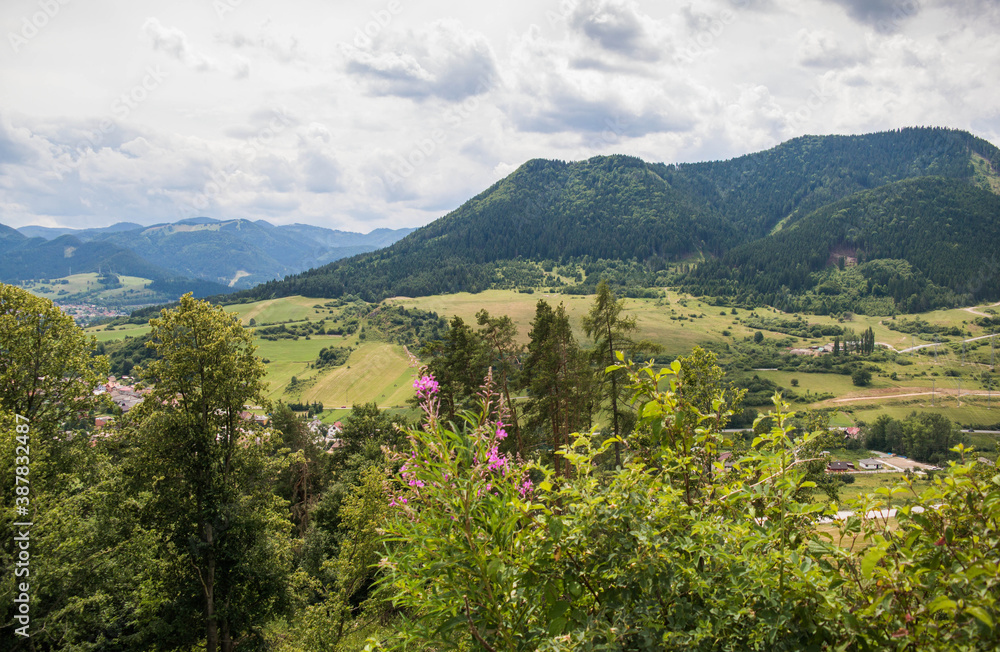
614, 398
513, 416
555, 439
227, 639
212, 633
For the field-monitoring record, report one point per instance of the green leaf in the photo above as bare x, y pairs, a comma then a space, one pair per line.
981, 615
871, 558
941, 603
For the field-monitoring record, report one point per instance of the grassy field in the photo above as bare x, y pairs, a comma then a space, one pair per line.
381, 372
274, 311
87, 289
117, 332
868, 483
968, 413
677, 323
836, 384
375, 371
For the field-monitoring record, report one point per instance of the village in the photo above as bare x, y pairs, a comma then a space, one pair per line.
125, 395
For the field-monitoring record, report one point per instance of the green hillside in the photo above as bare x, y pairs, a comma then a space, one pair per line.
918, 244
655, 216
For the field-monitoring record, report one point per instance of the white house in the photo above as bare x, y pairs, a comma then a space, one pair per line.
870, 465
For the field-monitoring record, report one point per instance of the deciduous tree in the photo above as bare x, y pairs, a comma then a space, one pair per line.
209, 469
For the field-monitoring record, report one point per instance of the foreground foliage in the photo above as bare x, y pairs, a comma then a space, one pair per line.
670, 551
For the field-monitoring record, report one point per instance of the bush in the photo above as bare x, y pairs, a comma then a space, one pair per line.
861, 377
669, 551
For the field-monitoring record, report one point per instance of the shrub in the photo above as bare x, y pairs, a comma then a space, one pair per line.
671, 551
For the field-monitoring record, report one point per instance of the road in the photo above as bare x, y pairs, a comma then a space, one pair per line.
924, 346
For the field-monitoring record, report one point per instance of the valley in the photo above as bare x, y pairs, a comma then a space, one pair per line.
382, 372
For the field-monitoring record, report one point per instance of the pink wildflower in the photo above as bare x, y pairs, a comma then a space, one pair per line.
525, 488
425, 386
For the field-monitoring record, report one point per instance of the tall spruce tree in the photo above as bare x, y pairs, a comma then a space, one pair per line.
499, 334
558, 379
611, 331
459, 364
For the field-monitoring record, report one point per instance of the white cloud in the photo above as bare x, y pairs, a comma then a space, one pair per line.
822, 49
174, 42
441, 60
441, 100
284, 51
617, 26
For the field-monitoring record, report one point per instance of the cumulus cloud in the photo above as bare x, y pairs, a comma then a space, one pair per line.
282, 51
883, 15
593, 103
822, 49
442, 60
174, 42
319, 168
617, 26
241, 68
14, 149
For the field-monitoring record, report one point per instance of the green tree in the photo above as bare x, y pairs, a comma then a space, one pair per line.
47, 376
758, 337
302, 480
611, 332
337, 599
861, 377
558, 378
500, 334
47, 370
207, 468
458, 364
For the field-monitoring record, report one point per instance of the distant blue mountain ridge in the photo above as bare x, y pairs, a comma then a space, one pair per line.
229, 254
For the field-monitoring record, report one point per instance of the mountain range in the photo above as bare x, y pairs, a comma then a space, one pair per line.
767, 226
225, 254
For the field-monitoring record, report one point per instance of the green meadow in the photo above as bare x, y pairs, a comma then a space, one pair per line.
383, 372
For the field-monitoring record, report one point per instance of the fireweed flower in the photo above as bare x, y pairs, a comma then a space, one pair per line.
444, 469
425, 386
525, 488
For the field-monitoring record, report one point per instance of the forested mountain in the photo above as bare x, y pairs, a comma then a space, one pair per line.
25, 258
758, 191
237, 253
84, 235
921, 243
619, 207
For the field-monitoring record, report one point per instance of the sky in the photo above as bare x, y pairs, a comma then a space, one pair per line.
391, 113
